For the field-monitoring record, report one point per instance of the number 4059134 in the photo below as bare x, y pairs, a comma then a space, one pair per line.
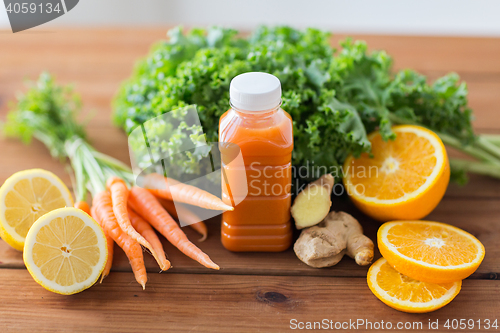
32, 8
464, 324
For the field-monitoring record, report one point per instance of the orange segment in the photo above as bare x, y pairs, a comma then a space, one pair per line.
430, 251
406, 294
401, 179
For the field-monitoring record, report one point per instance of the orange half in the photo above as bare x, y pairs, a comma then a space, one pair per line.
402, 179
405, 294
430, 251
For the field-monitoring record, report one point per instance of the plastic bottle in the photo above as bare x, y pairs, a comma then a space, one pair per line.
264, 133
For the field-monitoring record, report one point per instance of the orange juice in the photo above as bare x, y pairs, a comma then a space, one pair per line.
264, 133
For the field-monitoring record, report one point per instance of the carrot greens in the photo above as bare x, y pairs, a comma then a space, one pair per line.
49, 113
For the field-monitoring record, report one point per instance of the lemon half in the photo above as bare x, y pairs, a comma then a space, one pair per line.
24, 197
65, 251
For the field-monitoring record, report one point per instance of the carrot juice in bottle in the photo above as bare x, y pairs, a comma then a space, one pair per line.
264, 133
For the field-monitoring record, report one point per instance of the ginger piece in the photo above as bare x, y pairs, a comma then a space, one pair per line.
312, 205
325, 244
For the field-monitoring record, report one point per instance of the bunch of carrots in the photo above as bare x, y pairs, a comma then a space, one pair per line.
127, 213
128, 217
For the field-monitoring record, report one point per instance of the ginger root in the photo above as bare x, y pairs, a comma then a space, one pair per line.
325, 244
312, 205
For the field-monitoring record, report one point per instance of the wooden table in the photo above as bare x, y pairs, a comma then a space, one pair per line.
252, 291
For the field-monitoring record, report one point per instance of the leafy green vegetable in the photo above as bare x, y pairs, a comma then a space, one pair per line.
334, 97
48, 112
46, 106
203, 79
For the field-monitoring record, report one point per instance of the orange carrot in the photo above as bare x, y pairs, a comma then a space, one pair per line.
145, 229
119, 197
104, 212
200, 228
146, 205
110, 244
157, 184
83, 206
189, 217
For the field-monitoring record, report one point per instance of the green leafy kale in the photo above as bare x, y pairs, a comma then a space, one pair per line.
334, 97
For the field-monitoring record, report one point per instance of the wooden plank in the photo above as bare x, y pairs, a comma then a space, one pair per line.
209, 303
462, 54
443, 54
484, 100
479, 217
98, 60
479, 187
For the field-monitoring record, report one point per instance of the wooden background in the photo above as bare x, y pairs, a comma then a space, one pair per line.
252, 292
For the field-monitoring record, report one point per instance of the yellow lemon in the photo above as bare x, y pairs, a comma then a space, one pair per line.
24, 197
65, 251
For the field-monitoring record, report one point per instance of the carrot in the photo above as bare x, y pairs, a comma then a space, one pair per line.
104, 212
83, 206
119, 197
189, 217
146, 205
145, 229
110, 244
183, 192
200, 228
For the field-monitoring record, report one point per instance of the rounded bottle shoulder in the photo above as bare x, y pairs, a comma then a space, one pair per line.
234, 125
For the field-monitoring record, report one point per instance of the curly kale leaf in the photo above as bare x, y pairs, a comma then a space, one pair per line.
442, 106
334, 98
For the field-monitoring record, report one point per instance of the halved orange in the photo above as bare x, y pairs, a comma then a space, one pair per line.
430, 251
404, 179
405, 294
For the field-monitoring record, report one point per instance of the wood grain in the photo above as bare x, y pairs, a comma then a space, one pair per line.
99, 60
479, 217
209, 303
437, 54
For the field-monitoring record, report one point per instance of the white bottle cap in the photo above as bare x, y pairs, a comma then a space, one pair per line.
255, 91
